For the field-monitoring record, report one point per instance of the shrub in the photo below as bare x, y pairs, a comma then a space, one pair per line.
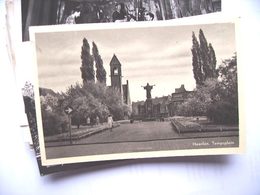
223, 113
53, 123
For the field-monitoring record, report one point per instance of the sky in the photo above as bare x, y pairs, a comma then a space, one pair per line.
160, 56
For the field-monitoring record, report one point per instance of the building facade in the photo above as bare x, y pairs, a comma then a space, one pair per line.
161, 106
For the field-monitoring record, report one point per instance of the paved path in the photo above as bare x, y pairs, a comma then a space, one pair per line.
143, 136
142, 131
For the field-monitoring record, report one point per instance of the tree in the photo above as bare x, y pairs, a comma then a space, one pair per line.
212, 62
94, 99
227, 72
88, 106
108, 96
198, 102
196, 61
204, 51
27, 90
54, 120
203, 59
87, 63
28, 98
225, 108
29, 104
115, 104
217, 98
100, 71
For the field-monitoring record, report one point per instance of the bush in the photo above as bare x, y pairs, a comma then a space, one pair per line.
54, 119
95, 99
225, 108
223, 113
198, 102
192, 107
215, 98
53, 123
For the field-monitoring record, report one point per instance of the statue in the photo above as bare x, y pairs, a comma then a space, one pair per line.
148, 89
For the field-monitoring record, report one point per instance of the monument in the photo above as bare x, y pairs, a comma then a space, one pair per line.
148, 102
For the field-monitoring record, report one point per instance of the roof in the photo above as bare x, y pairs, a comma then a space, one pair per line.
114, 60
180, 89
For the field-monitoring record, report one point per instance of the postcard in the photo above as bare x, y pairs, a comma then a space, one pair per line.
25, 84
110, 92
46, 12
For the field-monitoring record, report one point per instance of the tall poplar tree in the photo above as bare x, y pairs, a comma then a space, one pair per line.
212, 61
100, 70
204, 51
87, 63
196, 61
203, 59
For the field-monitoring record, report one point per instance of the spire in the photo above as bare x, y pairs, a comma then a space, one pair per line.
115, 60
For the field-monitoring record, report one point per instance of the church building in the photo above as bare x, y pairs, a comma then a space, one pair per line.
116, 80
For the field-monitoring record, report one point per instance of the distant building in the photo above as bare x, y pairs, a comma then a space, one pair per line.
116, 80
178, 97
161, 106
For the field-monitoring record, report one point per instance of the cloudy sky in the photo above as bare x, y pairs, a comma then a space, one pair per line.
155, 55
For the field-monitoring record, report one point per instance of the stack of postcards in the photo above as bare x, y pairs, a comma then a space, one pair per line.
105, 81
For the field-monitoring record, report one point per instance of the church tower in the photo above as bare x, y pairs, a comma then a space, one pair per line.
116, 74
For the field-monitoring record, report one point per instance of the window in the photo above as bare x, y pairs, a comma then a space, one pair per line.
115, 71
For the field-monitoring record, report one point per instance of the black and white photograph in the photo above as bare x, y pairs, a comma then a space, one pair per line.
136, 92
29, 105
24, 76
50, 12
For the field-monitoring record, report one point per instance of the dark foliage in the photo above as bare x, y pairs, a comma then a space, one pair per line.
203, 59
87, 65
196, 61
100, 71
217, 98
225, 109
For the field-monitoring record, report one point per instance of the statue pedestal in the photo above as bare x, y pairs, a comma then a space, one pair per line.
148, 108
